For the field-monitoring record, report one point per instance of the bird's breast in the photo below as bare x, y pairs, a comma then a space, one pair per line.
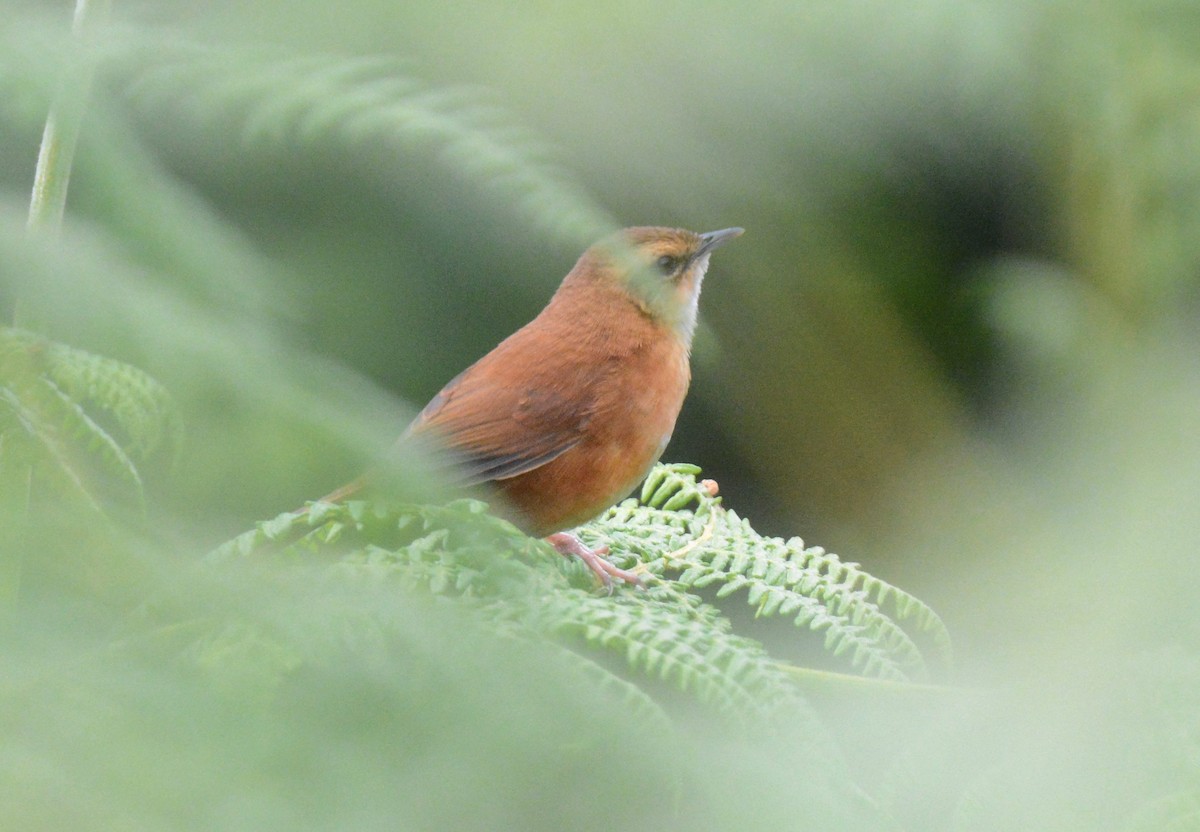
636, 401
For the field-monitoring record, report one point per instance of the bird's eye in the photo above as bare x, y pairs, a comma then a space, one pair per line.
667, 264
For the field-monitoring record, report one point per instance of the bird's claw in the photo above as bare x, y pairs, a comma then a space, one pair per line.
570, 545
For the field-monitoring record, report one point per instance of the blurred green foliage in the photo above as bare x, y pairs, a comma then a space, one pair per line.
957, 341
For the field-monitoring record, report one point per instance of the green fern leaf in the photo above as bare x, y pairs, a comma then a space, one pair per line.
280, 99
815, 588
80, 421
662, 632
25, 426
141, 407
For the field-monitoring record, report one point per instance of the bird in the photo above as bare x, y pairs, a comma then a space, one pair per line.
567, 415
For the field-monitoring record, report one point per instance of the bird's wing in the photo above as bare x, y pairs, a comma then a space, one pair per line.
499, 427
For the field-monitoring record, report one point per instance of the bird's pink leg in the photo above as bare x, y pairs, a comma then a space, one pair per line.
569, 544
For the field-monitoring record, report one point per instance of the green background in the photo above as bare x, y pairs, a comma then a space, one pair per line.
957, 343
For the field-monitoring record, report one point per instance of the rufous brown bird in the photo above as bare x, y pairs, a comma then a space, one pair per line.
569, 413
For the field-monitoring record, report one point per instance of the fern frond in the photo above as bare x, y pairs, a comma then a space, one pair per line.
139, 405
456, 549
45, 393
662, 632
709, 546
459, 550
28, 427
684, 644
240, 659
282, 100
631, 699
97, 441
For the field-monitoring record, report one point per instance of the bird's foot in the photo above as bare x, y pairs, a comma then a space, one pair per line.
569, 544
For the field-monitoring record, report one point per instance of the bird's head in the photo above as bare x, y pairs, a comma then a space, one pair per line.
660, 269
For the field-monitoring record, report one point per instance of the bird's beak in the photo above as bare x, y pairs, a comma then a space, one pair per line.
718, 238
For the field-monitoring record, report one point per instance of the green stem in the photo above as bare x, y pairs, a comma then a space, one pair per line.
63, 122
46, 208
